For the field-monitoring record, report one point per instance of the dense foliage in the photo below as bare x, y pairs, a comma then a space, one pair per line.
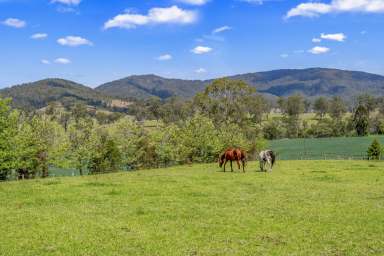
157, 133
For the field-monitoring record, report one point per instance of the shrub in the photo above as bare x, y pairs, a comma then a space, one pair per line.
374, 151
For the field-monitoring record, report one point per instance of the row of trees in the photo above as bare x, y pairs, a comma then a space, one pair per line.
227, 113
30, 145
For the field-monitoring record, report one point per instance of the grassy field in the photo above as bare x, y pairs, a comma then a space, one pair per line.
333, 148
301, 208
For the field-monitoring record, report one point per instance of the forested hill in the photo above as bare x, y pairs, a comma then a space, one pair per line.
146, 86
312, 82
38, 94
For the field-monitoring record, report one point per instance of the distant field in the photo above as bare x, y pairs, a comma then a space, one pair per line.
329, 148
301, 208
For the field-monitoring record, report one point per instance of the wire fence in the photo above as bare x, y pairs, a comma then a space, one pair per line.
322, 156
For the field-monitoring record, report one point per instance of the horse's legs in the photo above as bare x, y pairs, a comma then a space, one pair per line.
225, 163
238, 163
261, 165
243, 162
231, 167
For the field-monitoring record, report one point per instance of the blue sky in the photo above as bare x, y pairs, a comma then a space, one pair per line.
96, 41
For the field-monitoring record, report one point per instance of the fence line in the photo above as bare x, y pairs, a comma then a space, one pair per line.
307, 155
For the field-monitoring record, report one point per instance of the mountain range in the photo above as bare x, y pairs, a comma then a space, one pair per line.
312, 83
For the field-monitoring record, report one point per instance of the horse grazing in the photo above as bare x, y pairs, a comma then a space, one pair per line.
232, 154
267, 157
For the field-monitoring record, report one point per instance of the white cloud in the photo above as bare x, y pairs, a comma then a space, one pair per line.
319, 50
68, 2
284, 55
38, 36
316, 40
314, 9
252, 1
164, 57
63, 61
45, 62
340, 37
194, 2
171, 14
13, 22
74, 41
200, 71
221, 29
201, 50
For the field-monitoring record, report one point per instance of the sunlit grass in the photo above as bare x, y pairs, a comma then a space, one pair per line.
301, 208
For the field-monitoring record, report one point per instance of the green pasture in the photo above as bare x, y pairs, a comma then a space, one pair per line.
301, 208
324, 148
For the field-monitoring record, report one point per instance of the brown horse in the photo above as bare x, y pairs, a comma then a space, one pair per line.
233, 154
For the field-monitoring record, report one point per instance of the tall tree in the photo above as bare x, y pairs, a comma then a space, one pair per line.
292, 107
321, 106
361, 120
8, 132
225, 101
337, 107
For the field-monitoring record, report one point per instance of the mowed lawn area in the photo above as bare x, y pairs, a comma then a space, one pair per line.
301, 208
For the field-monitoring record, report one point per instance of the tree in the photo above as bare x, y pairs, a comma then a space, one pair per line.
127, 134
337, 108
292, 107
225, 101
368, 101
8, 132
374, 151
361, 120
321, 106
273, 129
79, 135
106, 156
258, 107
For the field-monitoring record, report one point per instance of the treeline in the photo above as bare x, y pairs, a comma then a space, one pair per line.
163, 133
286, 117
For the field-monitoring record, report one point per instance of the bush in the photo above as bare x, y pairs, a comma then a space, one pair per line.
374, 151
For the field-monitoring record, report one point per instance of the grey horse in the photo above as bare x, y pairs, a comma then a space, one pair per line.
267, 157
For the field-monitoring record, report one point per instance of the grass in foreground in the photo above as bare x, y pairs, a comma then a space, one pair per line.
301, 208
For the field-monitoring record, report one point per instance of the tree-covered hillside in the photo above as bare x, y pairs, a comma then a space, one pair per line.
312, 83
39, 94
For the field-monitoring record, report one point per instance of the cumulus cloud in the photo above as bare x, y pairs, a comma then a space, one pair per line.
15, 23
319, 50
194, 2
63, 61
171, 14
201, 50
284, 55
316, 40
314, 9
164, 57
340, 37
68, 2
74, 41
39, 36
221, 29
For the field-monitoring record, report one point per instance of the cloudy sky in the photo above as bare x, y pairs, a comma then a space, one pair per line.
95, 41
